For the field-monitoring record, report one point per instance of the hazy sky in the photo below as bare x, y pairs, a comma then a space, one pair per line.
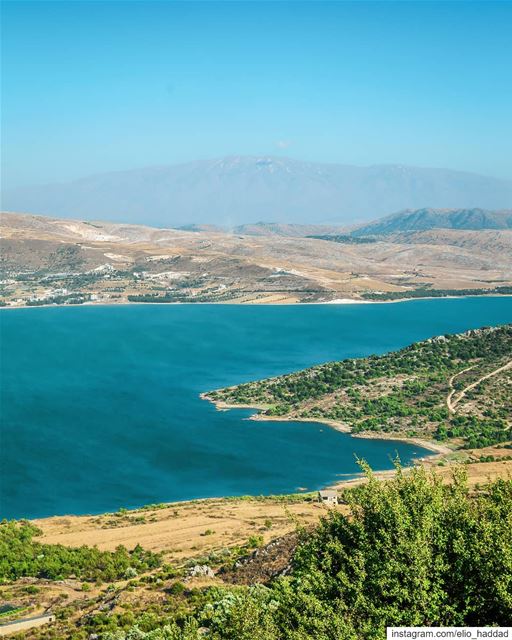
94, 86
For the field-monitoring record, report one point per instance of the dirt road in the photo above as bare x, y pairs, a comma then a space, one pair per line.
450, 402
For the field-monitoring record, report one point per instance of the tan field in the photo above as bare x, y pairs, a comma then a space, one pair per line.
186, 529
482, 473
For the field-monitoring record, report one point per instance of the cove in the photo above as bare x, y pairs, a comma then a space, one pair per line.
100, 406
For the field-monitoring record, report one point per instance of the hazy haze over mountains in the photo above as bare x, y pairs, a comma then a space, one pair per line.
244, 189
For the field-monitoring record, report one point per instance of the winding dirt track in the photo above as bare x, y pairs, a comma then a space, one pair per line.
450, 402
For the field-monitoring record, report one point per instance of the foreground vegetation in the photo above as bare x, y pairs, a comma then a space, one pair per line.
407, 392
408, 551
21, 556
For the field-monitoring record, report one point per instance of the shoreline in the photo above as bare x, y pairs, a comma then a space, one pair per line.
437, 449
339, 483
335, 302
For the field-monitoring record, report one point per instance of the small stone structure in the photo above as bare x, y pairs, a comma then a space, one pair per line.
328, 496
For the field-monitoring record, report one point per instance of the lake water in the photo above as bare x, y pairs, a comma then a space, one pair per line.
101, 409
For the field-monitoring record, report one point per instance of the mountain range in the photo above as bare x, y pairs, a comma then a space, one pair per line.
243, 189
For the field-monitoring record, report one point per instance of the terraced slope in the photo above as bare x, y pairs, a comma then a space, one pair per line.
456, 387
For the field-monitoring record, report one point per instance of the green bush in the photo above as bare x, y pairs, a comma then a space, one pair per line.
21, 556
412, 552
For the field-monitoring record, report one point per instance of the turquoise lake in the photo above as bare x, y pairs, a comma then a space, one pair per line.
100, 406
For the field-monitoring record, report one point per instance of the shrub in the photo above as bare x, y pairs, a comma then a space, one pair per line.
21, 556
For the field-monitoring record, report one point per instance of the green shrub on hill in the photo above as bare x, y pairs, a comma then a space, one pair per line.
400, 391
21, 556
412, 552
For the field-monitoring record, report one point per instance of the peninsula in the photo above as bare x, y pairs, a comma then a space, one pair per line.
449, 389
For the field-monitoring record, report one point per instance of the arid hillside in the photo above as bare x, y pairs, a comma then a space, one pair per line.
46, 260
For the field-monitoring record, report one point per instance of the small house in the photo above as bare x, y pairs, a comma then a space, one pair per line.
328, 496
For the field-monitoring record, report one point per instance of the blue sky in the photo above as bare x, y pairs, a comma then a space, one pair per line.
96, 86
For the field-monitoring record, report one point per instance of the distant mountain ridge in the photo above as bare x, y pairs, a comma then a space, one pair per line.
427, 219
237, 190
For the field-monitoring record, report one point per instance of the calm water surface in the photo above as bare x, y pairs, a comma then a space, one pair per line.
100, 405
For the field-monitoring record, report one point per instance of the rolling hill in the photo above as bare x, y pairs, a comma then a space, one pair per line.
285, 230
56, 261
427, 219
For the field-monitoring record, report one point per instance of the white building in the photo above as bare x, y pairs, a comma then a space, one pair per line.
328, 496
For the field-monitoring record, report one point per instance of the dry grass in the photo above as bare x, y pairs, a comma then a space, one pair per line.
179, 530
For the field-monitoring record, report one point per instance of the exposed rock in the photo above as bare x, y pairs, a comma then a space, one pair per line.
201, 570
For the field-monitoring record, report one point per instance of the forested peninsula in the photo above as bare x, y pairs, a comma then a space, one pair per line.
450, 388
